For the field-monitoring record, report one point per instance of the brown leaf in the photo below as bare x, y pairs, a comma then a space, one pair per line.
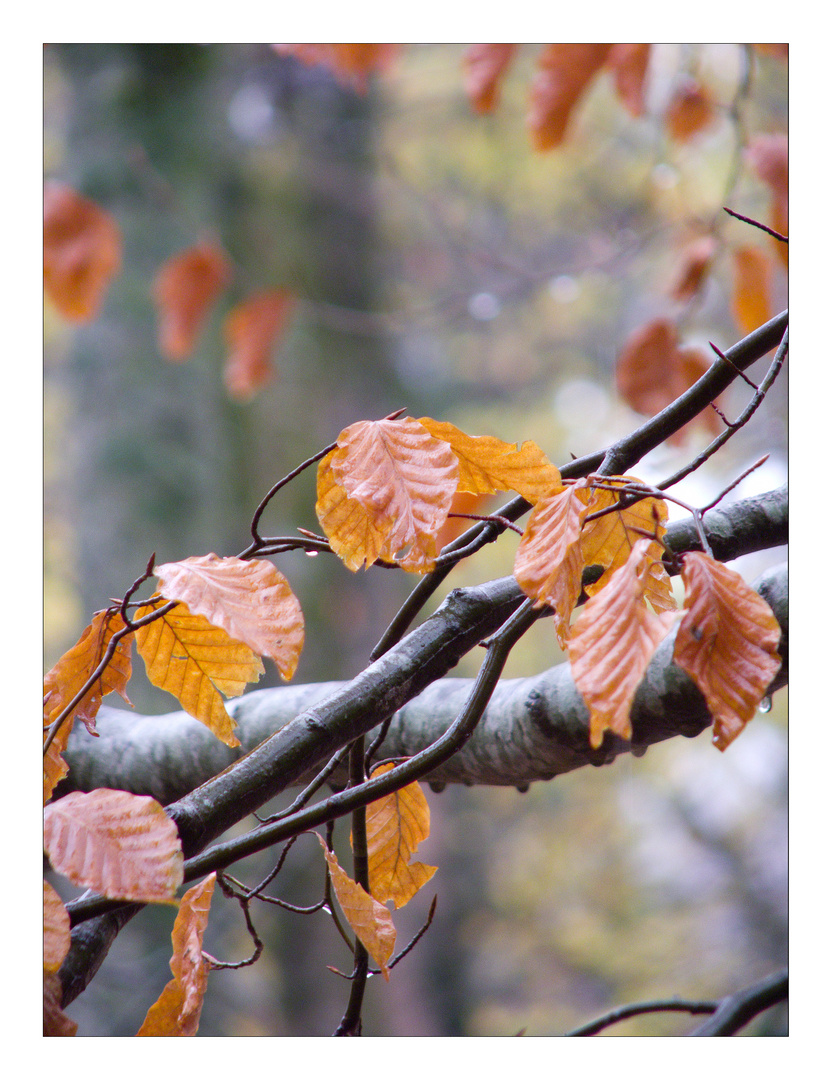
564, 72
487, 464
727, 642
55, 1022
123, 846
178, 1009
484, 66
251, 330
56, 938
351, 65
185, 289
463, 502
690, 111
612, 642
249, 599
81, 252
779, 50
396, 825
752, 287
696, 262
369, 919
769, 156
628, 63
195, 661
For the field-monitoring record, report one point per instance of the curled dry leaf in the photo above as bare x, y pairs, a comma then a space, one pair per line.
178, 1009
396, 825
251, 330
123, 846
81, 252
55, 1022
727, 642
370, 920
484, 67
249, 599
690, 111
612, 643
628, 63
563, 74
696, 262
56, 938
185, 289
752, 287
351, 64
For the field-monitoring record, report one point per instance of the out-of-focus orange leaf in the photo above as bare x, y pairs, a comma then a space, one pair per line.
370, 920
612, 642
179, 1006
487, 464
691, 109
388, 485
185, 289
463, 502
351, 65
727, 642
251, 330
195, 661
484, 67
628, 63
124, 846
396, 825
249, 599
780, 50
696, 261
769, 156
64, 681
563, 74
81, 252
55, 929
55, 1022
548, 564
752, 286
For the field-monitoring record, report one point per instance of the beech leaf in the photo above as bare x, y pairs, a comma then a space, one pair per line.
351, 64
370, 920
251, 330
185, 289
123, 846
249, 599
56, 938
727, 642
612, 642
484, 67
752, 286
690, 110
769, 156
55, 1021
697, 258
563, 74
628, 63
396, 825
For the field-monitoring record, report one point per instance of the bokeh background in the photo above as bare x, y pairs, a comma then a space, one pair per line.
444, 265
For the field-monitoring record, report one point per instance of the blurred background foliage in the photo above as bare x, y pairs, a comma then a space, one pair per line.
442, 265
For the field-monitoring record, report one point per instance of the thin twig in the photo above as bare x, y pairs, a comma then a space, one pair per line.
624, 1012
757, 225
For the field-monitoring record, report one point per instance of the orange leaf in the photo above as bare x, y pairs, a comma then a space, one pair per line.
81, 252
123, 846
55, 1022
628, 63
690, 110
769, 155
251, 330
369, 919
484, 67
178, 1008
612, 642
55, 929
396, 825
195, 661
564, 72
350, 64
250, 600
401, 478
696, 261
752, 285
727, 642
487, 464
463, 502
185, 289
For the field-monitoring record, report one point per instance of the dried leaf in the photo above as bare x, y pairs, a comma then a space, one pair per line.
179, 1006
463, 502
351, 65
123, 846
779, 50
185, 289
752, 287
369, 919
401, 478
195, 661
55, 1022
564, 72
612, 642
696, 262
484, 67
251, 330
487, 464
81, 252
396, 825
628, 63
727, 642
249, 599
769, 156
56, 938
690, 110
